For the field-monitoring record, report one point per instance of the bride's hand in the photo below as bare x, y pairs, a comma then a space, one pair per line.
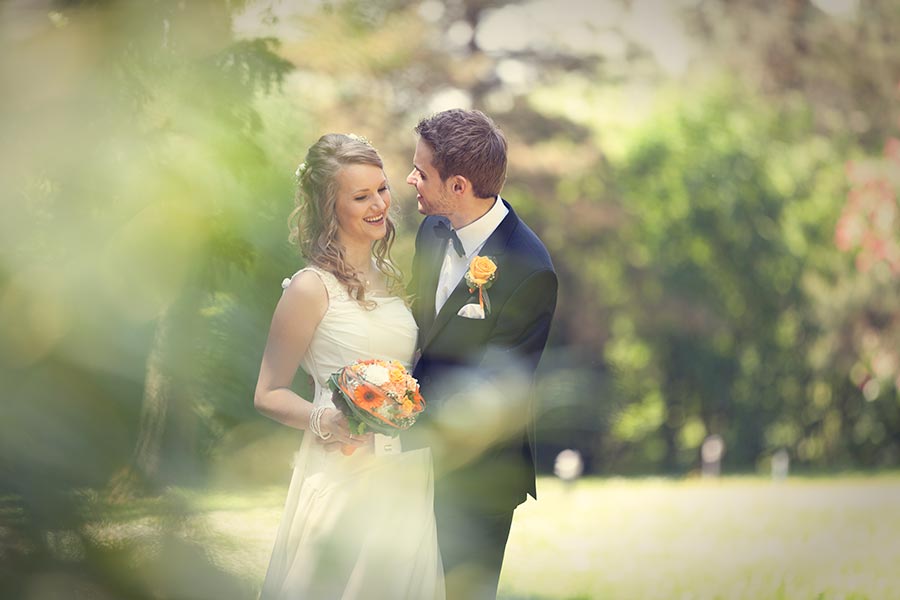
335, 423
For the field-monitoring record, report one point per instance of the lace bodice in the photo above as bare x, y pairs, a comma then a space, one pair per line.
349, 332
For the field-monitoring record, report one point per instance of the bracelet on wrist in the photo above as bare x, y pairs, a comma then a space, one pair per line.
315, 423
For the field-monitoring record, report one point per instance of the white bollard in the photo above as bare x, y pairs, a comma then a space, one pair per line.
568, 466
711, 453
781, 464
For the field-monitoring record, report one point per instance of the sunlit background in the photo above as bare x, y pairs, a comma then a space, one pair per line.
716, 181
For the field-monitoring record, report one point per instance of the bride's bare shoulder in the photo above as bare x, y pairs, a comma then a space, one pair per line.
307, 289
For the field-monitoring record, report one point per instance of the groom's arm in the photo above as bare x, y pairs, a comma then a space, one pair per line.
490, 400
520, 334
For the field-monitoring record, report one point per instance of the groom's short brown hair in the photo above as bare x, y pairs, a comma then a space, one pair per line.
467, 143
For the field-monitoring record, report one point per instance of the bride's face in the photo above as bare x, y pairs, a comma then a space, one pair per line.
362, 204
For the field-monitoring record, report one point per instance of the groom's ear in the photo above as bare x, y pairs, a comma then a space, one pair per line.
459, 184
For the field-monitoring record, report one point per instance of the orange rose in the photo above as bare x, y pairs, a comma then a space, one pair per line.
398, 374
481, 270
406, 407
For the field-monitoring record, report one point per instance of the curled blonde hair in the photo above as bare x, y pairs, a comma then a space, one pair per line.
313, 223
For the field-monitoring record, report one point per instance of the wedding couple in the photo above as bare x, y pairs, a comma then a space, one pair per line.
427, 516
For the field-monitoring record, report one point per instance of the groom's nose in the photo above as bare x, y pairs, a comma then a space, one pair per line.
411, 179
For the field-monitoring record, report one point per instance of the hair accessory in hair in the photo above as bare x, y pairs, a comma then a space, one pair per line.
300, 170
359, 138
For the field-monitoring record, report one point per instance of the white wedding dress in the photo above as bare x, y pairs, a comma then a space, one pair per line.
358, 526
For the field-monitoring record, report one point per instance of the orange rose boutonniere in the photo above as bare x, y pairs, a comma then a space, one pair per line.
480, 276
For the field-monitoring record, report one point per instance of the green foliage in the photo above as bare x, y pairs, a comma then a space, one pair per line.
139, 206
147, 150
709, 316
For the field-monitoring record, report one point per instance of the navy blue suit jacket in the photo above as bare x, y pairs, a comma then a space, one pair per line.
458, 355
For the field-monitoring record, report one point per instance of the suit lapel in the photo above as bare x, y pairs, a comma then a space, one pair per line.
495, 246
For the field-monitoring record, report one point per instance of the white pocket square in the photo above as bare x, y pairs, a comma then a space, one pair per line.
471, 311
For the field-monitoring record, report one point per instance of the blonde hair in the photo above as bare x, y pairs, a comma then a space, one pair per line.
313, 223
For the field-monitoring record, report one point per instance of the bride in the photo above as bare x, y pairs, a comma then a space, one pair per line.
358, 525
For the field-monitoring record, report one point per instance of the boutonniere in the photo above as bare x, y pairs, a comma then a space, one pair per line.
480, 276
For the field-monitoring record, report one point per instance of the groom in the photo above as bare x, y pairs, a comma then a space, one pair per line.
484, 295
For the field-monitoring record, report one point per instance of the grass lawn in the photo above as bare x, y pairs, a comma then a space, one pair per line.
804, 538
701, 539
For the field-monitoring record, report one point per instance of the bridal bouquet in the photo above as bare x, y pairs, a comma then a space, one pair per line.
378, 396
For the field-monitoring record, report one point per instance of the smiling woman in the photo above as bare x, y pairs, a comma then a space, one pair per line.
357, 523
361, 207
343, 215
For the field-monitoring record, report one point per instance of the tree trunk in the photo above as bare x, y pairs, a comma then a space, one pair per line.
155, 404
166, 447
142, 474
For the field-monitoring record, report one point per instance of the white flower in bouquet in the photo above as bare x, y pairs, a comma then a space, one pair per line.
377, 375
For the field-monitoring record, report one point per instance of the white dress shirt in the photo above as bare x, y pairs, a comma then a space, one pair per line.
473, 236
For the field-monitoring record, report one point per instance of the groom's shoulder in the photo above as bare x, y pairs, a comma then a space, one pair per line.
527, 244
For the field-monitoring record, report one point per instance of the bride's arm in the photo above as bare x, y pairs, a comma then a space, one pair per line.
297, 315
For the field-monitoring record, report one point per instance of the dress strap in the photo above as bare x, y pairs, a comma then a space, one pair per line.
334, 287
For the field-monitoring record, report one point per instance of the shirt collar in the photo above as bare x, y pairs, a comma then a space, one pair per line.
476, 233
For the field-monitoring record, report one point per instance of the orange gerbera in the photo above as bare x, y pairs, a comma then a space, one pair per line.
368, 398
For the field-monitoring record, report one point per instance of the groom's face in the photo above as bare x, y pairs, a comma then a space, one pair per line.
432, 194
